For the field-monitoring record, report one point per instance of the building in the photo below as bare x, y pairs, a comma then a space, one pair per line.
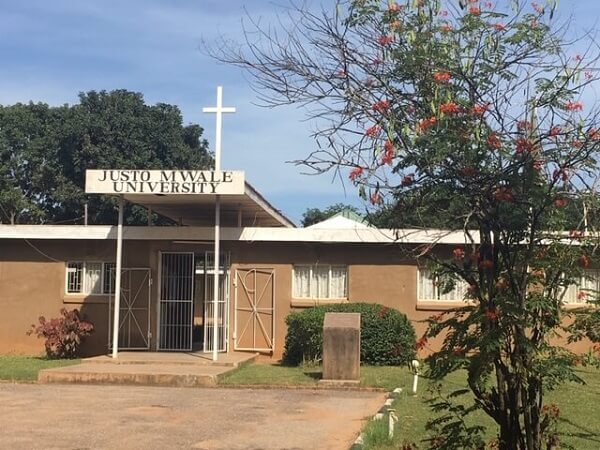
267, 269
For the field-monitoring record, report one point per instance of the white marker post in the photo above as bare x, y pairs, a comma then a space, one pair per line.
118, 265
219, 110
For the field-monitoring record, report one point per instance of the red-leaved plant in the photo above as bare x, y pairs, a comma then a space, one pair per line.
63, 335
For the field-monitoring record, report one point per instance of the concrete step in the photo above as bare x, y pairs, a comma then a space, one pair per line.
176, 375
186, 359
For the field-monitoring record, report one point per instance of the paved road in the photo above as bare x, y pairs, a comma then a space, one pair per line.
109, 417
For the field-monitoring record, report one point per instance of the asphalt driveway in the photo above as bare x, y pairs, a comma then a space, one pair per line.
108, 417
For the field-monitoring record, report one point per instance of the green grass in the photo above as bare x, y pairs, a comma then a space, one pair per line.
275, 374
579, 425
26, 368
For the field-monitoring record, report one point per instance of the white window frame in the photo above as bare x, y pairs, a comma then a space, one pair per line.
85, 289
595, 274
311, 268
436, 289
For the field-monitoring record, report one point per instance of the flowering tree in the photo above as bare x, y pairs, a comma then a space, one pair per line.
484, 105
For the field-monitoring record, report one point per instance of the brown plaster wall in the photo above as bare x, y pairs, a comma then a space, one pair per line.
32, 282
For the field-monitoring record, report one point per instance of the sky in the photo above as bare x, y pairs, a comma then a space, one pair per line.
52, 50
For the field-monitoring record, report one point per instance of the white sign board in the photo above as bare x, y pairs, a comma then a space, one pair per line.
176, 182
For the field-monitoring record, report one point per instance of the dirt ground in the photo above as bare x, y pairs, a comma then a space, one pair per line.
106, 417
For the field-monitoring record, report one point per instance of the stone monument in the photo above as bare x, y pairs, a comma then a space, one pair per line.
341, 348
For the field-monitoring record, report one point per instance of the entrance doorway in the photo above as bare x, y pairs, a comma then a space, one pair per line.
134, 310
185, 313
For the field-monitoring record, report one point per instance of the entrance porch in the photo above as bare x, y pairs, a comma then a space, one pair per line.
190, 369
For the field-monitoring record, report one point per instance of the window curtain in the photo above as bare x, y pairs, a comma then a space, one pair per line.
320, 282
302, 282
338, 282
93, 278
427, 288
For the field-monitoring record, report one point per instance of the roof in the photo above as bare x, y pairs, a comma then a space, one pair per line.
368, 235
199, 210
341, 221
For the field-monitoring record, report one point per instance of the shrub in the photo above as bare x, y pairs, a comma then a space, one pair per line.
387, 336
63, 335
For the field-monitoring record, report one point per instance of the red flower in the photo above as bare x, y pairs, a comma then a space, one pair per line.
499, 26
581, 295
538, 164
388, 154
385, 40
356, 173
446, 28
381, 106
523, 125
442, 77
486, 264
422, 342
501, 284
560, 173
576, 234
584, 261
560, 202
492, 314
475, 10
504, 194
426, 123
555, 131
396, 25
373, 131
458, 253
383, 311
449, 108
408, 180
594, 134
523, 145
493, 142
394, 8
468, 171
376, 198
480, 109
537, 8
574, 106
588, 75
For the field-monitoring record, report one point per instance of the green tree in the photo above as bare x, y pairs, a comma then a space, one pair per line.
44, 152
316, 215
483, 106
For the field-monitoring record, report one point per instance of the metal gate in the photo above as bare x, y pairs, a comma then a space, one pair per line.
254, 319
222, 302
176, 300
134, 309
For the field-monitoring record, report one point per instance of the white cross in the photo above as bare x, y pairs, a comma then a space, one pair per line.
218, 110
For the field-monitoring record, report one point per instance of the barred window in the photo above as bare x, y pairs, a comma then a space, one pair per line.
90, 278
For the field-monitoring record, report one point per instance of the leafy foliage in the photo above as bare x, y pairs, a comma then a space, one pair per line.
63, 335
387, 336
44, 152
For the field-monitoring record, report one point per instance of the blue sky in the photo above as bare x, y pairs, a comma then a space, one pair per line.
51, 50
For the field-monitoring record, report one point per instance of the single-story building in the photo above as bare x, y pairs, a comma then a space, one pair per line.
267, 268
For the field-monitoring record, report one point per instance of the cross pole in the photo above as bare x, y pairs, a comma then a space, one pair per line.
219, 110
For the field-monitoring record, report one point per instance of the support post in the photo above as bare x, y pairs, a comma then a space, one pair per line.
116, 320
216, 276
85, 213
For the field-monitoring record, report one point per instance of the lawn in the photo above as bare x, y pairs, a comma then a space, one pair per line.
275, 374
26, 368
579, 404
579, 425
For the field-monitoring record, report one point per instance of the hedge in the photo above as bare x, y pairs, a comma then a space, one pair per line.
387, 336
